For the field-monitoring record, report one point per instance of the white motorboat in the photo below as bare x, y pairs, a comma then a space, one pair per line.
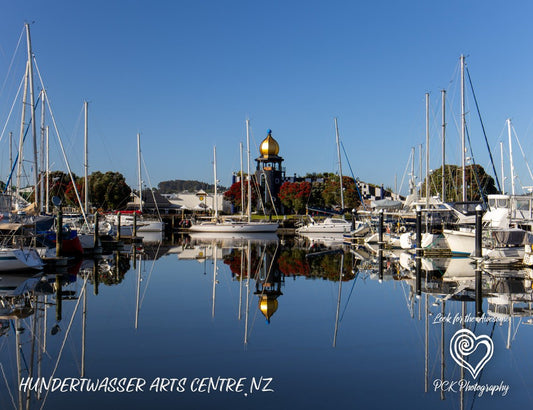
127, 222
428, 241
19, 259
461, 241
328, 225
329, 239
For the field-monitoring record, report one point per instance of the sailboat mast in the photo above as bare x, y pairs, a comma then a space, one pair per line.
138, 292
18, 356
501, 163
442, 341
413, 177
426, 347
213, 296
83, 328
10, 161
139, 180
338, 303
41, 166
443, 92
249, 177
215, 200
47, 170
86, 160
463, 126
420, 154
32, 104
21, 138
242, 180
340, 164
240, 283
248, 273
427, 150
511, 155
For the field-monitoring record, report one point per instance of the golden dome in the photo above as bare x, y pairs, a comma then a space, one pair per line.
269, 146
268, 307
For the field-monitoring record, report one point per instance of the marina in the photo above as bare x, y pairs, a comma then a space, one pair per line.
321, 212
258, 321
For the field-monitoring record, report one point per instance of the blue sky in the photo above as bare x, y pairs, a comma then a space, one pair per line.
186, 74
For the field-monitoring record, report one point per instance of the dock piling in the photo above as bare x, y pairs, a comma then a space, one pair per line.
59, 298
418, 230
479, 232
381, 226
418, 267
59, 232
479, 294
118, 225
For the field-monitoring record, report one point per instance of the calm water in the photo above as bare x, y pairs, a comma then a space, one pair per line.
288, 334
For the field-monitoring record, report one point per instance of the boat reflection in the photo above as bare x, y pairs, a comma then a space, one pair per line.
263, 262
455, 288
32, 308
323, 239
25, 299
35, 308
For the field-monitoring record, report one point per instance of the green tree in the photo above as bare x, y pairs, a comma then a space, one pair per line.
109, 191
453, 177
331, 192
316, 199
179, 185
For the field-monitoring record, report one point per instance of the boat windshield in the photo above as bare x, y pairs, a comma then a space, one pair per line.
522, 204
502, 203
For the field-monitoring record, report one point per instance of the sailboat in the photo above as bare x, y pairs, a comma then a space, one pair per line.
128, 218
330, 224
14, 258
507, 224
235, 226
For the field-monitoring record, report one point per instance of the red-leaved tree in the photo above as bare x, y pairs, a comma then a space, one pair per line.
294, 195
233, 194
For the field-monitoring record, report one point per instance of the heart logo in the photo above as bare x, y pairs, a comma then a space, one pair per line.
464, 343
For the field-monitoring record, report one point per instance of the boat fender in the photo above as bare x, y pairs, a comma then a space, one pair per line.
105, 227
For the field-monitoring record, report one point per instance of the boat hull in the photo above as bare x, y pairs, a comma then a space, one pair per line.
235, 227
329, 225
19, 259
142, 226
234, 237
459, 242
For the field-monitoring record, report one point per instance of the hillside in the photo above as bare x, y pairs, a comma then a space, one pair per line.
178, 185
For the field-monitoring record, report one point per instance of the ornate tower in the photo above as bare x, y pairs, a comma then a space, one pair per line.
269, 173
268, 282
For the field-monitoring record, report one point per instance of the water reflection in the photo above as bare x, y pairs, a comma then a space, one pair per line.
458, 286
44, 316
267, 261
32, 310
24, 300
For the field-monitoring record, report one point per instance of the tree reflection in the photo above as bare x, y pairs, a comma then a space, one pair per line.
292, 261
